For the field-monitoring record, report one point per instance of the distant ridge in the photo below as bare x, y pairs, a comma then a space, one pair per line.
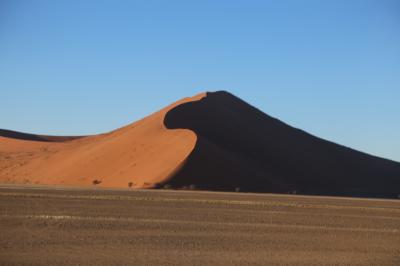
212, 141
33, 137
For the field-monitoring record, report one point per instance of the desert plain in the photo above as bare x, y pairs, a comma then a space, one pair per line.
43, 225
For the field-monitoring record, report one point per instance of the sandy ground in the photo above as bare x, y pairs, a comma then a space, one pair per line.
60, 226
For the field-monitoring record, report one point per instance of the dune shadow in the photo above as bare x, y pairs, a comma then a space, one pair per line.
217, 161
240, 147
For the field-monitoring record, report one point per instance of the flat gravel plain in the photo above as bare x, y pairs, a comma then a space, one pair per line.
67, 226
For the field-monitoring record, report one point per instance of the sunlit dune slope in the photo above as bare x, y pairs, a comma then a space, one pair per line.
140, 155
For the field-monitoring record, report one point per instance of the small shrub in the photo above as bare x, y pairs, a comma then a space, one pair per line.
130, 184
167, 186
96, 182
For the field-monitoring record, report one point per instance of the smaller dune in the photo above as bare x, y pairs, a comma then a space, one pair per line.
32, 137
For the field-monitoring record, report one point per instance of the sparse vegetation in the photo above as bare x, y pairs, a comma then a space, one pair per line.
189, 187
167, 186
96, 182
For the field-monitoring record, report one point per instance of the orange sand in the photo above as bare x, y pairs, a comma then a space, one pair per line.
144, 153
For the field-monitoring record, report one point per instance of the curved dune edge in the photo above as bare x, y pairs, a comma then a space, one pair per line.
140, 155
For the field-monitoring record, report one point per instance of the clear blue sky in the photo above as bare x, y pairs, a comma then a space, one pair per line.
331, 68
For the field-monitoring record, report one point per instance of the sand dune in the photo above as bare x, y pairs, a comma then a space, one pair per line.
33, 137
140, 155
240, 146
211, 141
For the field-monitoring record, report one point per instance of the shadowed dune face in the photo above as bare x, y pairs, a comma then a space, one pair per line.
239, 146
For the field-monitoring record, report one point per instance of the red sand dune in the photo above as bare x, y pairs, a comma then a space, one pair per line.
213, 141
144, 153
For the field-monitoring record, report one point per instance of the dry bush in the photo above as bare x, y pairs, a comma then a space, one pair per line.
96, 182
167, 186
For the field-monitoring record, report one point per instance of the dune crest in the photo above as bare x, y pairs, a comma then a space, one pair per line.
212, 141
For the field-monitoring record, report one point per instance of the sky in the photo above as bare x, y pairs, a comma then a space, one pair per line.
331, 68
